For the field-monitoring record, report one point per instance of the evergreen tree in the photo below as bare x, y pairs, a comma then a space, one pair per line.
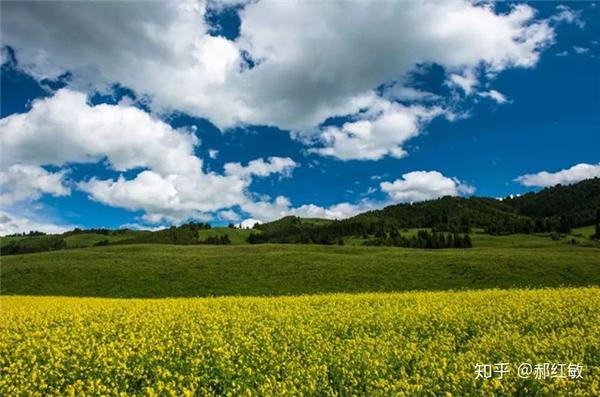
465, 224
564, 225
467, 241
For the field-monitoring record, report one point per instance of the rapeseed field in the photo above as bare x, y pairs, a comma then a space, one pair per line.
401, 344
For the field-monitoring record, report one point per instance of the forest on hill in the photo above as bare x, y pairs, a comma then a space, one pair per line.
557, 209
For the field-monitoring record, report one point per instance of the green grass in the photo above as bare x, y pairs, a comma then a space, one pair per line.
271, 269
236, 236
483, 240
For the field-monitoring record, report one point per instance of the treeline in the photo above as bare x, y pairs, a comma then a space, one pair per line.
562, 224
222, 239
31, 233
37, 243
292, 230
423, 239
103, 231
186, 234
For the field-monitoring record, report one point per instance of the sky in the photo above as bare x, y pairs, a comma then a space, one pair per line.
150, 114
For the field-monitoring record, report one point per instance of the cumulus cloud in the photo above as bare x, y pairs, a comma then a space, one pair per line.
66, 129
248, 223
495, 95
172, 186
298, 77
177, 197
10, 224
380, 131
229, 215
260, 167
266, 210
21, 182
567, 176
424, 185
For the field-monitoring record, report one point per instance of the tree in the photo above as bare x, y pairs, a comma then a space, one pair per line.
467, 241
450, 241
465, 224
597, 231
564, 225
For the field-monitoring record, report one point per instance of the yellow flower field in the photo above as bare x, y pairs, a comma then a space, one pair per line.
421, 343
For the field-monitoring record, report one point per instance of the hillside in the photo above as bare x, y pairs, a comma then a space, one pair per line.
556, 209
203, 270
579, 202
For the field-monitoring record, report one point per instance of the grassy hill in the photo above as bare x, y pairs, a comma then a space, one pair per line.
167, 270
236, 236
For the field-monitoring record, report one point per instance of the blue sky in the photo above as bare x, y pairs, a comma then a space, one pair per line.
278, 133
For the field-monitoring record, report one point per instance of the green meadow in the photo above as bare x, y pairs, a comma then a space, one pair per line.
162, 270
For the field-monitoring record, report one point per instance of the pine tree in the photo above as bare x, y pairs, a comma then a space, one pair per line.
450, 241
467, 241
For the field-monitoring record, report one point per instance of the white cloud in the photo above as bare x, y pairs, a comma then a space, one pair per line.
22, 182
302, 76
568, 15
259, 167
229, 215
467, 82
66, 129
562, 53
213, 153
403, 92
580, 50
172, 186
378, 132
266, 210
248, 223
337, 211
137, 226
495, 95
567, 176
175, 198
10, 224
424, 185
